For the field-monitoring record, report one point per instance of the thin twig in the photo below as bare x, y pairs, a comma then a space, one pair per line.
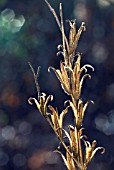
54, 13
63, 32
36, 78
58, 22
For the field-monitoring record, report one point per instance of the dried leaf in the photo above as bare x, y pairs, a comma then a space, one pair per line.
85, 107
65, 77
62, 116
55, 118
68, 136
74, 144
72, 33
86, 66
36, 102
58, 74
96, 149
64, 159
82, 28
50, 97
73, 108
82, 79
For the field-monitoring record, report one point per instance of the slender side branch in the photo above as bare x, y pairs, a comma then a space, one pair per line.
36, 78
62, 29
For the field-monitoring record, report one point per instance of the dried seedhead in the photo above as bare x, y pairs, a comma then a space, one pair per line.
71, 80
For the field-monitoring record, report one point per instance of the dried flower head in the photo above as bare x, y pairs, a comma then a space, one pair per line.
90, 151
70, 79
57, 120
42, 103
79, 111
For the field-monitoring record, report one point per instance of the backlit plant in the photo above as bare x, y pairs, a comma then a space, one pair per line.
71, 80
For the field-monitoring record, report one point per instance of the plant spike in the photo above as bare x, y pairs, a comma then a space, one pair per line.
71, 80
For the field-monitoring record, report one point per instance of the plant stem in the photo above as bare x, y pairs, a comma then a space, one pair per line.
64, 145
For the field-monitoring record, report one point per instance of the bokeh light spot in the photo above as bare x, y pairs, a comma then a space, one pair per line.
51, 158
103, 3
99, 53
8, 132
80, 12
10, 23
19, 160
25, 128
105, 123
110, 91
3, 142
4, 158
21, 141
3, 118
7, 15
2, 2
17, 24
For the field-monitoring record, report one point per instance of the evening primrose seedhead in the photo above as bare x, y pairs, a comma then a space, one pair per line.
71, 75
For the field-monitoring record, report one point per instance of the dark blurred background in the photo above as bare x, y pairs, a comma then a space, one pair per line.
29, 33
